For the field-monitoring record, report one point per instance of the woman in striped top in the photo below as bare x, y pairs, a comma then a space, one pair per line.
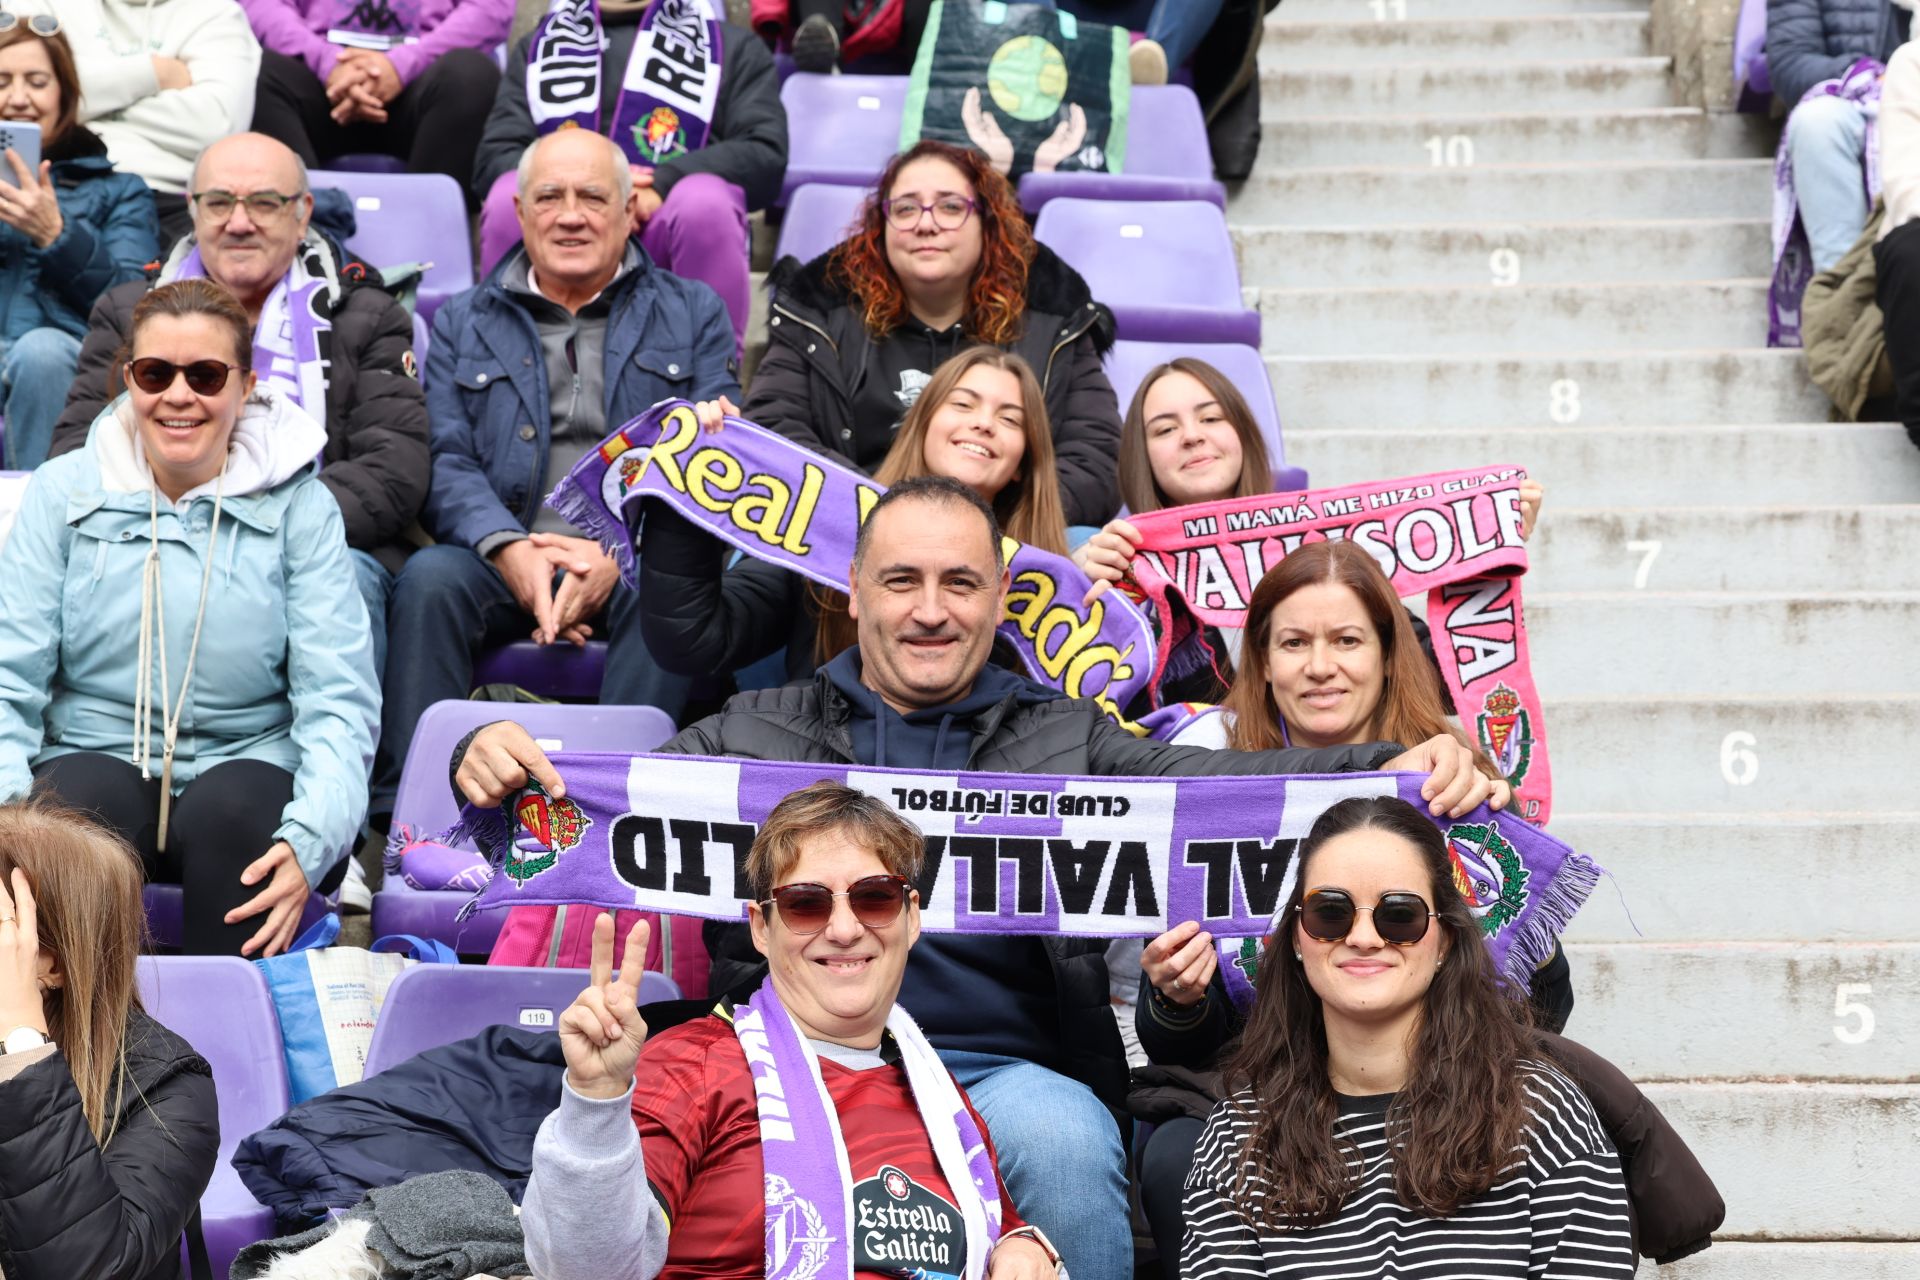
1391, 1116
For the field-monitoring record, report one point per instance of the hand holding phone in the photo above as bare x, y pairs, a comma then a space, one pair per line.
27, 199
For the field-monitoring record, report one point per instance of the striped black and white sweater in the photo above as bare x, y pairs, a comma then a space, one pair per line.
1561, 1213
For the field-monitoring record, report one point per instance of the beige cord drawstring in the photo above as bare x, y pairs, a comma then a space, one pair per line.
153, 634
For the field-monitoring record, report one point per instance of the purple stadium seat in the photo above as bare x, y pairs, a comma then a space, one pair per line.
220, 1006
552, 671
1129, 361
1750, 74
166, 904
818, 217
368, 162
1167, 157
845, 128
425, 801
1166, 267
434, 1004
410, 217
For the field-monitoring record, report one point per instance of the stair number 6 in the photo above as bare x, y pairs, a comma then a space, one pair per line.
1506, 267
1738, 763
1563, 401
1846, 1005
1385, 10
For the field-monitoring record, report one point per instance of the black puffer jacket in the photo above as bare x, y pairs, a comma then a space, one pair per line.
1813, 40
69, 1210
376, 461
806, 384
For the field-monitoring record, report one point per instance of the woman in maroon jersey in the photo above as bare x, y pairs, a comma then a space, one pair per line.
810, 1131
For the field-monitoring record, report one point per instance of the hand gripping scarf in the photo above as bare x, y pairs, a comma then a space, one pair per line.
780, 502
1038, 854
1792, 253
292, 339
668, 93
809, 1186
1454, 535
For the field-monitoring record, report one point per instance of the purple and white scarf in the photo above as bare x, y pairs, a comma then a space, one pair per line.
809, 1185
1792, 253
292, 339
669, 91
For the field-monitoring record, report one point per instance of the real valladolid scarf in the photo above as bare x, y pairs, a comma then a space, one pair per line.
809, 1185
1006, 854
783, 503
1454, 535
668, 92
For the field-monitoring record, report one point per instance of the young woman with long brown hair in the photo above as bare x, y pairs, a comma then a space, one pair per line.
108, 1123
941, 259
1390, 1113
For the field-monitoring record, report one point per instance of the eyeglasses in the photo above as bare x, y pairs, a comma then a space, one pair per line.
950, 213
1400, 918
876, 902
215, 207
41, 24
204, 377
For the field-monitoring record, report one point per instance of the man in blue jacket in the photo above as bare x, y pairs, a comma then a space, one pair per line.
568, 338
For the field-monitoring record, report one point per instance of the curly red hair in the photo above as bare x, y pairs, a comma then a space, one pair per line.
997, 298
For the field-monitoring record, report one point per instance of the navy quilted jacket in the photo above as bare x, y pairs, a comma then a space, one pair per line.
1813, 40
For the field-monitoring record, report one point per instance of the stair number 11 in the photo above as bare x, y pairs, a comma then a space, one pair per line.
1388, 10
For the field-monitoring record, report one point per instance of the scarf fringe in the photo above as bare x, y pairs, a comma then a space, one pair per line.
585, 512
1550, 910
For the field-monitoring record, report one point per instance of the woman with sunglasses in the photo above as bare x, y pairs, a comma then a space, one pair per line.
809, 1130
1390, 1113
70, 229
183, 650
940, 259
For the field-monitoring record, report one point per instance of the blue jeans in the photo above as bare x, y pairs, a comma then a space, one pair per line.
376, 588
1827, 141
36, 371
1177, 26
1060, 1156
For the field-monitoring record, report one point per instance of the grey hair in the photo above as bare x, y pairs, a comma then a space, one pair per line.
623, 174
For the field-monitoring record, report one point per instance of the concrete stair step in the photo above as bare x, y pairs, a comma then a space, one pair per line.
1423, 194
1749, 1008
1603, 388
1794, 1260
1773, 752
1778, 548
1535, 319
1635, 645
1505, 254
1804, 1161
1571, 83
1863, 462
1533, 137
1298, 11
1667, 868
1361, 40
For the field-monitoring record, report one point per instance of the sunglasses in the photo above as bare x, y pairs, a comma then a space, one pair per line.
41, 24
1400, 918
204, 377
876, 902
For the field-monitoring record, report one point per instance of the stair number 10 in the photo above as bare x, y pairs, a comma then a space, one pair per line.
1388, 10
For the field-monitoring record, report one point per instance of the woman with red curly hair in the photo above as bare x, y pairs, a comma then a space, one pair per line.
941, 259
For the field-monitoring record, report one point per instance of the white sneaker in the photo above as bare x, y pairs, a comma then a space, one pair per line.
355, 897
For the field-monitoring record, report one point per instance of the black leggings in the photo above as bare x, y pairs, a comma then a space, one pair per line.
224, 819
1896, 261
1163, 1179
434, 125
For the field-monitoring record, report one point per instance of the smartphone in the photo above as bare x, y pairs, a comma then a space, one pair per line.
24, 137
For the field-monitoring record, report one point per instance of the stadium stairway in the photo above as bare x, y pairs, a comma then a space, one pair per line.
1481, 232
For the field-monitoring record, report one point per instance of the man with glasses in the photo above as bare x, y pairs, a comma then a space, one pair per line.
1023, 1023
326, 336
570, 336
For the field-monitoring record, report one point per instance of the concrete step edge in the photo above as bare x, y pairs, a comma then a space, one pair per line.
1624, 226
1755, 818
1522, 290
1900, 596
1497, 117
1755, 511
1514, 67
1909, 702
1756, 164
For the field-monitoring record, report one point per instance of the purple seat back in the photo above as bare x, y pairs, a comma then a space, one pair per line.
818, 218
220, 1006
410, 217
422, 331
1168, 157
435, 1004
1166, 268
1129, 362
368, 162
166, 912
552, 671
844, 128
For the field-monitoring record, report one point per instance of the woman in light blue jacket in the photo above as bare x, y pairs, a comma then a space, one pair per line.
182, 647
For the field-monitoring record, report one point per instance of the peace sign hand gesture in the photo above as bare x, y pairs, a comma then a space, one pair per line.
601, 1031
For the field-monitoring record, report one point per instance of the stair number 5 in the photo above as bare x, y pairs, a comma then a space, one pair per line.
1847, 1004
1388, 10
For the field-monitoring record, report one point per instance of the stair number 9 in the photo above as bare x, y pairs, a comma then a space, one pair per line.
1738, 763
1563, 401
1506, 267
1388, 10
1846, 1004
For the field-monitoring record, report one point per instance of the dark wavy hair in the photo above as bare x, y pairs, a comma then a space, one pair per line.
997, 297
1459, 1122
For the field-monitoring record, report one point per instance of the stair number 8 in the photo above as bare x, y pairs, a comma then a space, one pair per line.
1506, 267
1563, 401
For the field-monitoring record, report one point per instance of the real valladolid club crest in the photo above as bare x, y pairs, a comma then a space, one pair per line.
1506, 733
797, 1240
1488, 872
558, 825
660, 136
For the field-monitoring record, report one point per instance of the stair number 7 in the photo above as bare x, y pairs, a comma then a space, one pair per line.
1847, 1005
1648, 553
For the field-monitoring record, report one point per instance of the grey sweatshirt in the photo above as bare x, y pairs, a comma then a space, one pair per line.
588, 1213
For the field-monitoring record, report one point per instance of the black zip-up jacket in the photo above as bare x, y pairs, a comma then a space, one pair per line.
376, 462
747, 144
69, 1209
818, 353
